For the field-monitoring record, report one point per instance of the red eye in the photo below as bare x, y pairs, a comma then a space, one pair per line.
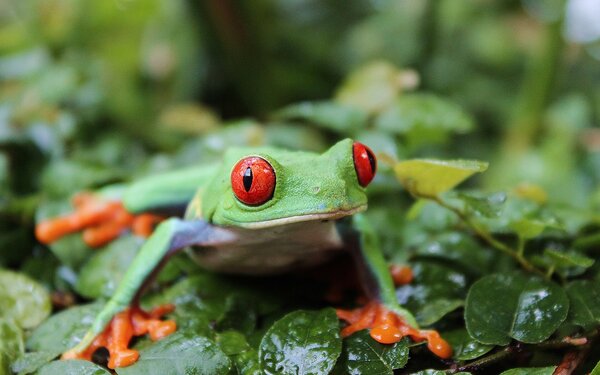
253, 180
364, 163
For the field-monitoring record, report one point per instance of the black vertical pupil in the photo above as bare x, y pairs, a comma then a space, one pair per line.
371, 161
248, 179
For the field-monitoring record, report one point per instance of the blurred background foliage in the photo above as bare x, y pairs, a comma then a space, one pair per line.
98, 92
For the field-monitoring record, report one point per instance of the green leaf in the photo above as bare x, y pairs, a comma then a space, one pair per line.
484, 205
504, 306
438, 372
431, 177
530, 371
64, 330
423, 119
244, 357
567, 259
528, 228
585, 303
372, 87
180, 353
330, 115
596, 370
72, 367
30, 362
11, 339
363, 355
302, 342
23, 300
435, 291
464, 347
100, 276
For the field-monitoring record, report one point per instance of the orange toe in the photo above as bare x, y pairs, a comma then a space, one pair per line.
387, 327
121, 329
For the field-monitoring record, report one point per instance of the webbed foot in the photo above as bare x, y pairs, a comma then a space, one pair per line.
387, 327
101, 221
121, 329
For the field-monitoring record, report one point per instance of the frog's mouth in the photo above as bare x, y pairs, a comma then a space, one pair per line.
333, 215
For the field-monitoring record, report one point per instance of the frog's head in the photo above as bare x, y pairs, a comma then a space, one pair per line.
266, 187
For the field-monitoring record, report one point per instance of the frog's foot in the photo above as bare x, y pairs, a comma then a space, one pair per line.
401, 275
100, 220
387, 327
121, 329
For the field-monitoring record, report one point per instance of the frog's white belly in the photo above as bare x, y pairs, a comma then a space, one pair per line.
272, 250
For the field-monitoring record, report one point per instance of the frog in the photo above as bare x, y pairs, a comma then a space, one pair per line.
261, 211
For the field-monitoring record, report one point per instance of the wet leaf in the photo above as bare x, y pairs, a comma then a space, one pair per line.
525, 308
180, 353
244, 357
30, 362
430, 177
435, 291
101, 274
585, 303
464, 347
302, 342
72, 367
23, 300
64, 330
363, 355
484, 205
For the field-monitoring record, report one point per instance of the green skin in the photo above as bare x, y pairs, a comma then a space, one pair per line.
223, 234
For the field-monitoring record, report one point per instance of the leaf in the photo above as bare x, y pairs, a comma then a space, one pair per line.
189, 118
430, 177
64, 330
330, 115
72, 367
528, 228
525, 308
567, 259
530, 371
23, 300
30, 362
372, 87
101, 274
464, 347
302, 342
363, 355
585, 303
244, 357
180, 353
11, 339
596, 370
484, 205
424, 119
434, 292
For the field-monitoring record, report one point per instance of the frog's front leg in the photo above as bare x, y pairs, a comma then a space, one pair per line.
121, 318
387, 320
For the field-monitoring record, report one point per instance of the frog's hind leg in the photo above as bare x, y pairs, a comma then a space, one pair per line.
387, 321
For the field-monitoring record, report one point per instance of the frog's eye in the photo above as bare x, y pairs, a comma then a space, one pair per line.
364, 163
253, 180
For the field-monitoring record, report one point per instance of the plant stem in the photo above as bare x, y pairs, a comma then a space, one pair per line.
487, 237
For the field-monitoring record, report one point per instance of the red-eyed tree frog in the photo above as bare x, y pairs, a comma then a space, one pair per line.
261, 211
